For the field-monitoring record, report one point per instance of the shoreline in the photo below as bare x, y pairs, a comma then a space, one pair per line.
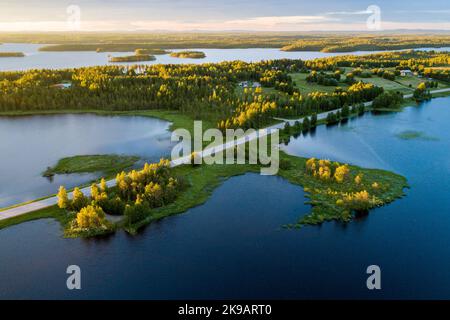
176, 120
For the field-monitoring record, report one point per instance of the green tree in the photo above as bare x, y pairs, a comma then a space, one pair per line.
78, 199
63, 199
306, 124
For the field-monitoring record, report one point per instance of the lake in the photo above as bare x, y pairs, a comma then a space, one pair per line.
233, 246
30, 144
36, 59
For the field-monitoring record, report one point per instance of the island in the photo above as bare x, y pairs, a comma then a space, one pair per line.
188, 54
12, 54
134, 58
295, 95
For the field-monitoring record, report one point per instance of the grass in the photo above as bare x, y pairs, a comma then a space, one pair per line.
308, 87
204, 180
414, 135
108, 164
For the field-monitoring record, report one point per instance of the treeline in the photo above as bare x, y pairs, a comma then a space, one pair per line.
411, 59
345, 43
206, 91
134, 197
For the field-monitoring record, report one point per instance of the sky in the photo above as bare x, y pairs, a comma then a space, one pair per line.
223, 15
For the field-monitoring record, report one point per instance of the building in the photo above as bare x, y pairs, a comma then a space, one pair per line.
62, 85
249, 84
405, 73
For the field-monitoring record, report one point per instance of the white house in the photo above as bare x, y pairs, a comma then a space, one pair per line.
405, 73
248, 84
64, 85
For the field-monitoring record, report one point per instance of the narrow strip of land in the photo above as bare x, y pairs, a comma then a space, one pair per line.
40, 204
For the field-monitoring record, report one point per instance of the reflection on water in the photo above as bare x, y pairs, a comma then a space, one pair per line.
36, 59
233, 246
28, 145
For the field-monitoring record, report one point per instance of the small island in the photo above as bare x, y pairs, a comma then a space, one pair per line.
188, 54
12, 54
135, 58
336, 192
150, 51
107, 163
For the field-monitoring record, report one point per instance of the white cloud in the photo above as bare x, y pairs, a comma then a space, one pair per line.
349, 13
258, 23
271, 23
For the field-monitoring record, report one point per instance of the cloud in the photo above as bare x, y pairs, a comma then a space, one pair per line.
349, 13
257, 23
269, 23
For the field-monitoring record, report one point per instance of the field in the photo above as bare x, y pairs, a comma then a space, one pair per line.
388, 85
308, 87
109, 163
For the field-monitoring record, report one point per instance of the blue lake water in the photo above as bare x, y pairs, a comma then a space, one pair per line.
28, 145
35, 59
233, 246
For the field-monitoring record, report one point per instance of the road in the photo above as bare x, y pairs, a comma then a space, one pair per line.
41, 204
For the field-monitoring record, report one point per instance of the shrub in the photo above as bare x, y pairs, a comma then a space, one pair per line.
91, 217
137, 212
285, 164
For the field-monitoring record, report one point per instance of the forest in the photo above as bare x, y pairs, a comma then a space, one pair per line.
206, 91
288, 41
368, 43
